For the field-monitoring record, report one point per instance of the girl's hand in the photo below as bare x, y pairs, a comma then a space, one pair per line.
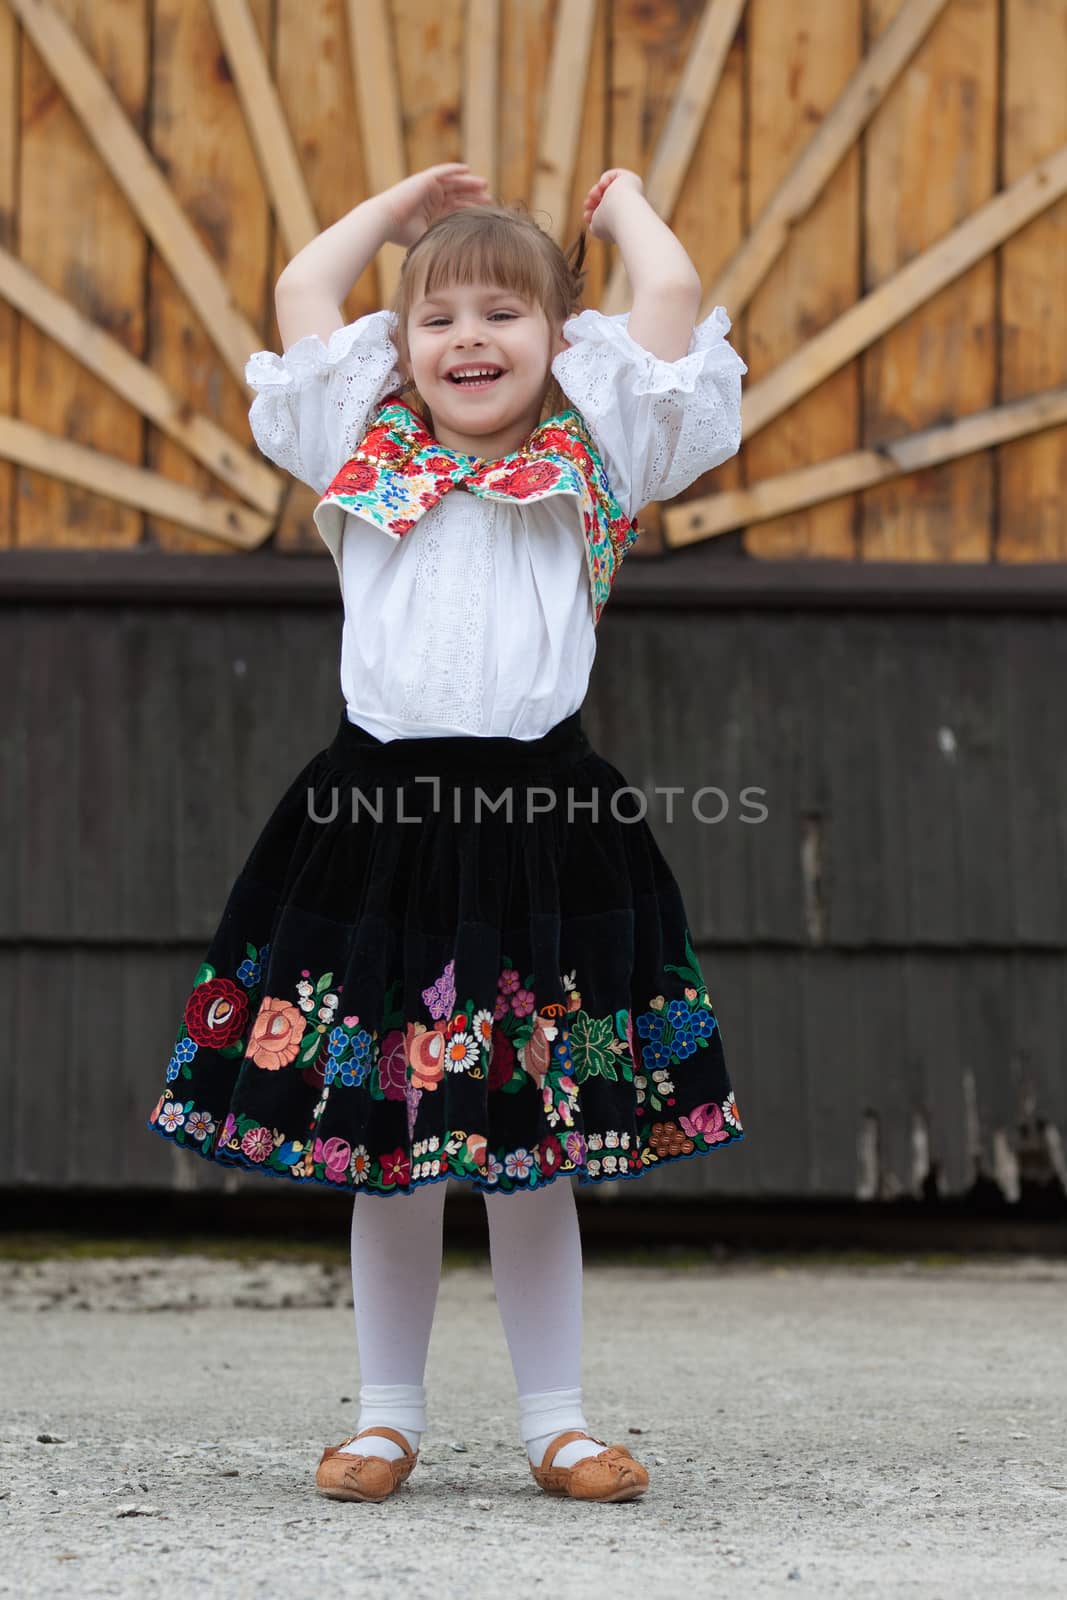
414, 203
596, 213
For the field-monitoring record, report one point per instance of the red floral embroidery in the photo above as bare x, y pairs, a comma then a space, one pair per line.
396, 1167
555, 438
502, 1061
529, 479
216, 1012
356, 477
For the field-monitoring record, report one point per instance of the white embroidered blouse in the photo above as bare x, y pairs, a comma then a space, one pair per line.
480, 620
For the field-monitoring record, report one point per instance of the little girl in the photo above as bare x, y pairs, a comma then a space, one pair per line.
456, 949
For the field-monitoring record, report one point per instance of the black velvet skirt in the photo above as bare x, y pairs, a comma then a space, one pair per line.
451, 957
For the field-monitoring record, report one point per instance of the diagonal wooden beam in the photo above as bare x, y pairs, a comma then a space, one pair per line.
862, 469
105, 475
561, 124
272, 141
891, 302
674, 151
831, 142
379, 110
139, 385
124, 153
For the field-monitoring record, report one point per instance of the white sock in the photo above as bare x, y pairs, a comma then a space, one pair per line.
401, 1406
543, 1417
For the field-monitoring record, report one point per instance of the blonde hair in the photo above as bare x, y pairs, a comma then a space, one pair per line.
498, 244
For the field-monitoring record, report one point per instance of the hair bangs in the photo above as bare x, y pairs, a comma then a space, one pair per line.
492, 254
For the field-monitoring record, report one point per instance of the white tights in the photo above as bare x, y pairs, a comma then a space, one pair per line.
536, 1256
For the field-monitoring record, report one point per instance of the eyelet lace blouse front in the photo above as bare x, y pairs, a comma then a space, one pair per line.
479, 620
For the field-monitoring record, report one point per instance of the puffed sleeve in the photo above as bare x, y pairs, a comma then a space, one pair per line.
312, 404
659, 425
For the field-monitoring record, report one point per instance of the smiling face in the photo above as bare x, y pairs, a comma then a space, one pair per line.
481, 325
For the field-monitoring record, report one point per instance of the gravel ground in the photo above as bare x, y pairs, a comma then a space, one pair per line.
896, 1430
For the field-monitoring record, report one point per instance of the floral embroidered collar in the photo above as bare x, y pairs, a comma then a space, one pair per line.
399, 471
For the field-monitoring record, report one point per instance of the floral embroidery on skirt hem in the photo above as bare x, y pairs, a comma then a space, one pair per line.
382, 1007
479, 1185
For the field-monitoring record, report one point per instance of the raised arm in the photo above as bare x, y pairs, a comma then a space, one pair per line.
666, 284
312, 287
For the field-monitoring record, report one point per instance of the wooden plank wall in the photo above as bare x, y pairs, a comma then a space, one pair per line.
797, 61
198, 135
9, 140
885, 951
1032, 302
980, 102
927, 168
75, 231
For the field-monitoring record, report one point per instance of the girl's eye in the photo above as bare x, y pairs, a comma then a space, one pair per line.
492, 314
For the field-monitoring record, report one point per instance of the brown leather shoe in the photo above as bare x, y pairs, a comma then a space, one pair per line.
611, 1475
358, 1477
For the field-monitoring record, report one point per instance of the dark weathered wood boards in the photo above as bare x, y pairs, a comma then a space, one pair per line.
886, 950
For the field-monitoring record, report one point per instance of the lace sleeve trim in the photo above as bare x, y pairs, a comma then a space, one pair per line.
312, 404
708, 350
309, 357
659, 424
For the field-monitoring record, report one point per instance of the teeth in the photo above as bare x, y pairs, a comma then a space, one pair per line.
473, 377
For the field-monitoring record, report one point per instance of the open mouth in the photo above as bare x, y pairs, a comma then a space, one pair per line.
481, 382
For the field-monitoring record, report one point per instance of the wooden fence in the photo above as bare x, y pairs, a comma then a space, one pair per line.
875, 189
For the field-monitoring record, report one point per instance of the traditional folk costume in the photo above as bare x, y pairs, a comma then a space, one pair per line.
456, 949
